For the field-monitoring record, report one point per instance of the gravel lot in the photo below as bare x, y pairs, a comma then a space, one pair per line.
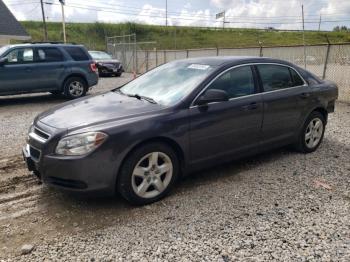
281, 205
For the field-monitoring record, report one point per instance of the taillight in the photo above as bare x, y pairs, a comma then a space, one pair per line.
93, 67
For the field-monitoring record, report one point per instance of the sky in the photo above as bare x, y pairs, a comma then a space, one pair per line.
280, 14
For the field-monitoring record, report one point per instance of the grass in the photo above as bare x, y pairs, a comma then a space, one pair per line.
93, 35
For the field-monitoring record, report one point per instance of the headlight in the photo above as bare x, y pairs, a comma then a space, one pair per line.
81, 144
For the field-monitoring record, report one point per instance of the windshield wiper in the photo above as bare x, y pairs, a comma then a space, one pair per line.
139, 97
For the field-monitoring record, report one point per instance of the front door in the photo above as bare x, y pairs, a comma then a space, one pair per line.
17, 73
229, 127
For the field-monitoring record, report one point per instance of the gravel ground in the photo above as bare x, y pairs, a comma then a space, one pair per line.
281, 205
18, 112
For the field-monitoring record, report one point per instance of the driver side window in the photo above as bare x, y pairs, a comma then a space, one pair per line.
20, 56
236, 82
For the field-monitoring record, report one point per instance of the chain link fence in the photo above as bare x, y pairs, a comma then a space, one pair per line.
328, 61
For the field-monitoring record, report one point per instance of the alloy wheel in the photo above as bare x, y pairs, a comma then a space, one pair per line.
152, 175
76, 88
313, 133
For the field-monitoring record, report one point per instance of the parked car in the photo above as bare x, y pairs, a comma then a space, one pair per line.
107, 66
177, 118
57, 68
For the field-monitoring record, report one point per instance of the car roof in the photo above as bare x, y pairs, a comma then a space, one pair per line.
43, 45
224, 60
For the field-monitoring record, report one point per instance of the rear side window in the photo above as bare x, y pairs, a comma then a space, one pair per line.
275, 77
77, 53
297, 81
49, 54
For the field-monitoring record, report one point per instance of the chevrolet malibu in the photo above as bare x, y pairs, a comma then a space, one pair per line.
183, 116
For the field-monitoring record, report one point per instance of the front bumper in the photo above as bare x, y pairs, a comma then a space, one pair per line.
88, 174
110, 70
28, 160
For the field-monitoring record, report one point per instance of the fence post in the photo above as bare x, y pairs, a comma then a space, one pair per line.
146, 60
156, 57
187, 53
217, 51
326, 60
164, 56
261, 50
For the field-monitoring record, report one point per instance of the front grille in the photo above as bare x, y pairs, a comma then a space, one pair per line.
34, 153
112, 65
41, 133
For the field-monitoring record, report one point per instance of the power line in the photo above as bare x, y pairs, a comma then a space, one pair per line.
182, 16
110, 10
104, 6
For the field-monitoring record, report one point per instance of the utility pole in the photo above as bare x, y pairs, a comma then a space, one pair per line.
319, 25
44, 21
63, 21
302, 13
224, 20
166, 12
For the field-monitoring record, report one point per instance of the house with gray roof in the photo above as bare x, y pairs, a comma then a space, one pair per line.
10, 28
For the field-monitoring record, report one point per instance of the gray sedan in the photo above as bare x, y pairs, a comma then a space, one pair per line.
177, 118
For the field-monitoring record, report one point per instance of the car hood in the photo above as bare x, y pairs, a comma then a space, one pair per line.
94, 110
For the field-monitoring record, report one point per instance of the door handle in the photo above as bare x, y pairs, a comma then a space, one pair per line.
251, 106
304, 95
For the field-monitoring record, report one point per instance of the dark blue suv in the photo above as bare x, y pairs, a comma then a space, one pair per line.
57, 68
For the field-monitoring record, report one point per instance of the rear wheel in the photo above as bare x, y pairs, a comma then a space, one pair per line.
148, 174
312, 133
75, 87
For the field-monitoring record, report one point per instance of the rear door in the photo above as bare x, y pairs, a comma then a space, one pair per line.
283, 89
17, 74
50, 68
225, 128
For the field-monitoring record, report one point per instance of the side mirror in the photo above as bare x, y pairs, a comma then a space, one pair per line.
3, 60
212, 95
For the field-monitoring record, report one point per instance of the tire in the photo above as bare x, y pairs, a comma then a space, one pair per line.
312, 133
118, 74
141, 181
75, 87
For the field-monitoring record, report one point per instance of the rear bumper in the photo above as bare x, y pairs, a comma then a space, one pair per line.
92, 79
84, 175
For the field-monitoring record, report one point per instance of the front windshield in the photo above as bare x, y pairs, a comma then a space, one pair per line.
169, 83
100, 55
3, 49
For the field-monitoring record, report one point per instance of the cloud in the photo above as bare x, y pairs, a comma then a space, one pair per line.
239, 13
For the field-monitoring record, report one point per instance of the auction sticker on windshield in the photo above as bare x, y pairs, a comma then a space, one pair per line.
198, 66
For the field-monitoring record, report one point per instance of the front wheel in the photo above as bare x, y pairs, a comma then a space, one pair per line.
148, 174
75, 87
312, 133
